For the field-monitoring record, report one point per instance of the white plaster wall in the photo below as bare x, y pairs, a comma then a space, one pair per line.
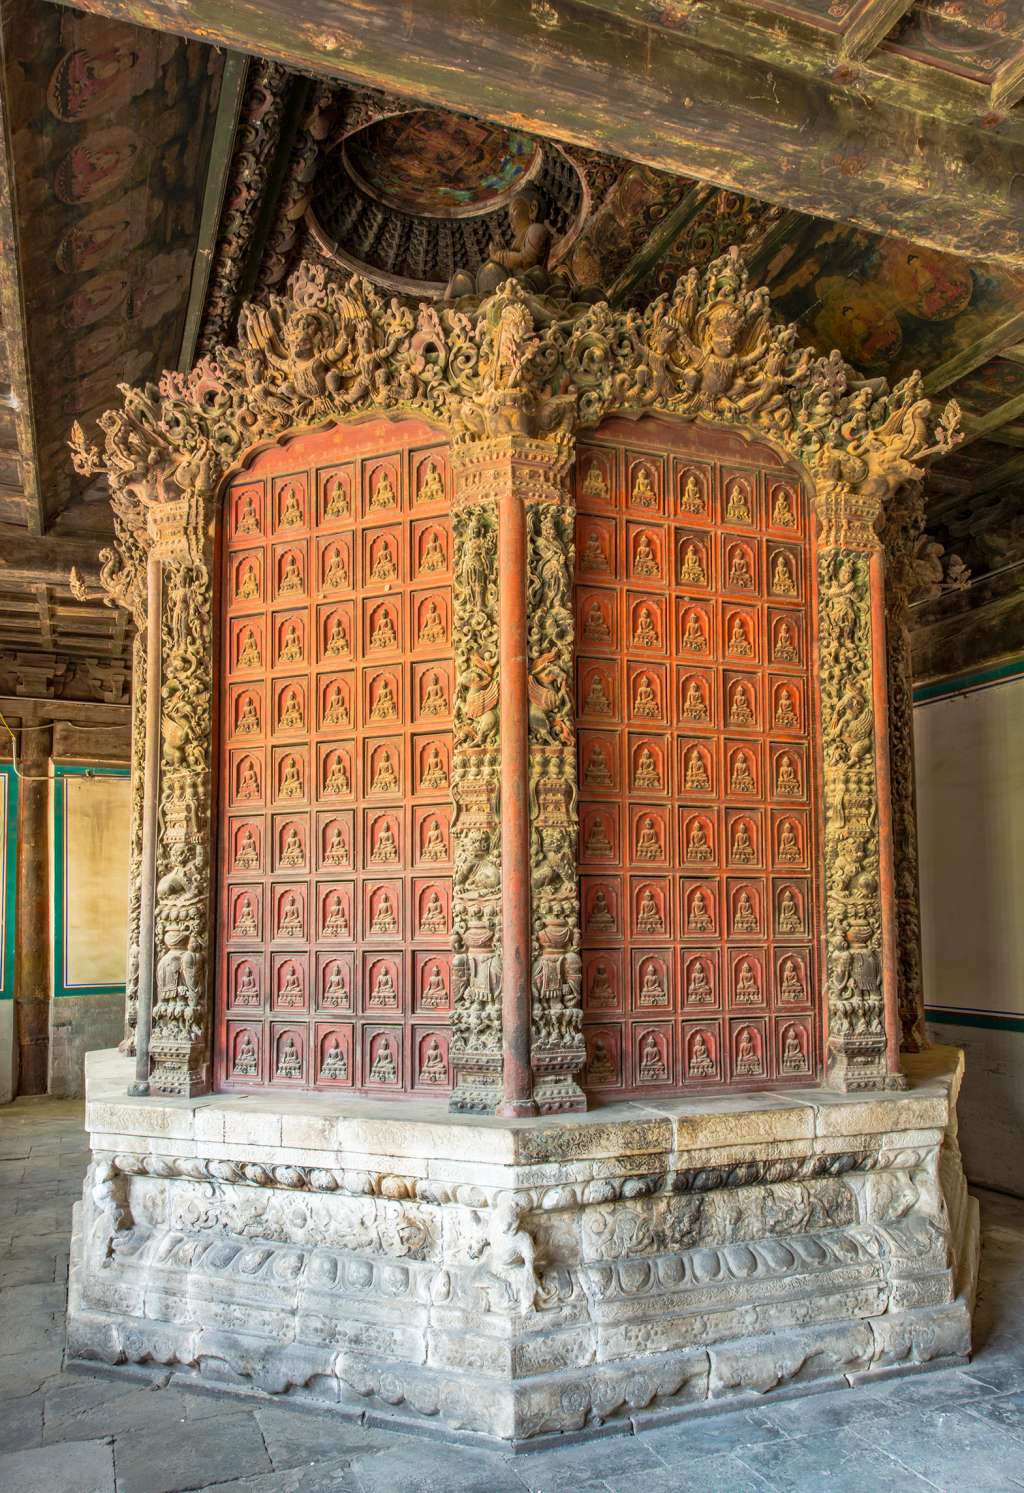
970, 798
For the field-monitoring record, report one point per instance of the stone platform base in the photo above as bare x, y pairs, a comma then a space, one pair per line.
519, 1279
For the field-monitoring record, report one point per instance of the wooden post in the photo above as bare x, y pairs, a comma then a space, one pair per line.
517, 1081
150, 828
32, 964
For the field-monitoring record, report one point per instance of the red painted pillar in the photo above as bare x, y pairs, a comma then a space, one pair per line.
516, 960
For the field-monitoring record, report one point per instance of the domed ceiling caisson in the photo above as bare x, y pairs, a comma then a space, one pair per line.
410, 198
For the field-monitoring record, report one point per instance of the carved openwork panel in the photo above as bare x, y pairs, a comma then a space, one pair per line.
695, 711
335, 817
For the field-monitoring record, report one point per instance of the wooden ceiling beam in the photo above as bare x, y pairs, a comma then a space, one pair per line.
870, 26
222, 148
35, 560
996, 343
976, 427
591, 73
12, 311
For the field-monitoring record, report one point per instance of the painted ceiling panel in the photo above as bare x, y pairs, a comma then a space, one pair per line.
110, 127
889, 306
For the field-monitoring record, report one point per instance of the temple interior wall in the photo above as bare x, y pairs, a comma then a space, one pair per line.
970, 787
63, 870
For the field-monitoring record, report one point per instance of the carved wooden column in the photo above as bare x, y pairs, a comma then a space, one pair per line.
476, 764
542, 478
181, 1024
862, 1048
516, 898
904, 525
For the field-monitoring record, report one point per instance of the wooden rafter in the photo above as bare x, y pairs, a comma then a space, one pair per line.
232, 89
869, 27
1008, 84
996, 342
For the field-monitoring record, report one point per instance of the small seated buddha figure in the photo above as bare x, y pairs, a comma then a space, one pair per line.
648, 918
647, 774
652, 1067
434, 992
433, 920
336, 923
434, 775
435, 1069
384, 1070
699, 991
747, 1060
652, 991
645, 702
334, 1064
289, 1064
648, 845
793, 1060
700, 1064
526, 260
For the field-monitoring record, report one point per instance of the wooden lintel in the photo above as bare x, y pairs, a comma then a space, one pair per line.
34, 560
589, 72
870, 25
1008, 84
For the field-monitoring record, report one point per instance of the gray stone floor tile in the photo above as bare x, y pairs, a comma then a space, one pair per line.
618, 1460
917, 1393
170, 1457
953, 1449
706, 1435
723, 1473
1005, 1411
21, 1423
812, 1415
418, 1464
84, 1407
72, 1467
299, 1436
319, 1477
829, 1460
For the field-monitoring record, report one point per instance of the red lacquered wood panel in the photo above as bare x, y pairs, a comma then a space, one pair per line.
335, 810
698, 817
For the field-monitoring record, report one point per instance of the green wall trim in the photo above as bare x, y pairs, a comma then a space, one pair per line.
993, 1021
957, 684
8, 878
61, 772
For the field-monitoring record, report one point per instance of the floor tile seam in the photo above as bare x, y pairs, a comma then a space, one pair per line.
757, 1473
989, 1424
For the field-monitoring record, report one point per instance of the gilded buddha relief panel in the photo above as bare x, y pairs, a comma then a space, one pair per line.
335, 804
697, 773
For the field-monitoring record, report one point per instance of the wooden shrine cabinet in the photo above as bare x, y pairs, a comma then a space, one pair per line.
517, 721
